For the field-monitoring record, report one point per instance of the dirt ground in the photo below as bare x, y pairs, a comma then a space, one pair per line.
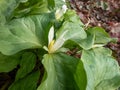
103, 13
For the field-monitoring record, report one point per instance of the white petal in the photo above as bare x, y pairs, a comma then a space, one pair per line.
60, 12
51, 34
98, 45
64, 8
60, 41
58, 44
63, 0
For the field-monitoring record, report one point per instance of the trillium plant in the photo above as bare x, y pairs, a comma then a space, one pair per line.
35, 36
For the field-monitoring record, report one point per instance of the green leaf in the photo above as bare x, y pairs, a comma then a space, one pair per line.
27, 64
88, 42
72, 27
55, 4
24, 33
31, 7
51, 4
71, 16
110, 84
70, 30
101, 37
102, 69
59, 3
8, 63
6, 9
80, 76
96, 37
2, 20
63, 72
27, 83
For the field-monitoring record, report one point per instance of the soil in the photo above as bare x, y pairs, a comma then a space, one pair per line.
103, 13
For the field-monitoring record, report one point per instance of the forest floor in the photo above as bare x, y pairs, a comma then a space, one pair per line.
103, 13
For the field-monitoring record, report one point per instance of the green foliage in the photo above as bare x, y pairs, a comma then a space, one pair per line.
8, 63
24, 33
61, 72
27, 83
101, 69
36, 34
27, 64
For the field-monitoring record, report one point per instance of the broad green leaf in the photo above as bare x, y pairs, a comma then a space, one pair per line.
96, 37
80, 76
59, 3
110, 84
63, 72
51, 4
27, 64
101, 37
24, 33
27, 83
7, 7
43, 24
31, 7
2, 20
102, 70
37, 7
8, 63
70, 45
71, 16
70, 30
55, 4
88, 42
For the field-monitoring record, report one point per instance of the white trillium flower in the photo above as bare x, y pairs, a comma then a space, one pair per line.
60, 12
52, 44
50, 39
